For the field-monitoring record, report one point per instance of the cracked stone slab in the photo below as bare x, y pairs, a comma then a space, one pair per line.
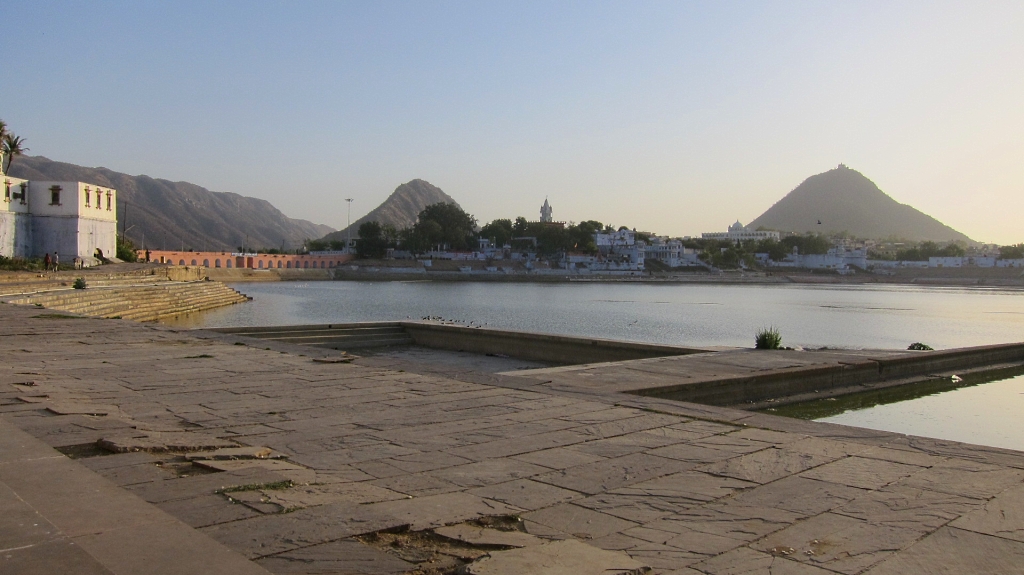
578, 521
738, 522
692, 485
601, 476
296, 473
967, 478
567, 557
861, 472
909, 507
67, 408
345, 556
746, 561
526, 494
237, 453
1002, 516
159, 441
302, 496
766, 465
799, 494
951, 551
838, 543
490, 537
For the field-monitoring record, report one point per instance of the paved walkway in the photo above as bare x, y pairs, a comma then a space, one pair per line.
385, 444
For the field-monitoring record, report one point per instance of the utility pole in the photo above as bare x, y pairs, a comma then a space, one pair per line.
348, 228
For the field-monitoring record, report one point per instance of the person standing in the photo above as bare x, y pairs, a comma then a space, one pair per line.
46, 261
56, 261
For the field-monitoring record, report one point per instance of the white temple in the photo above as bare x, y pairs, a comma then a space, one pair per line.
71, 219
545, 212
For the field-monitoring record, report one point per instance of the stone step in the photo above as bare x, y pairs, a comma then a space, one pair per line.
365, 343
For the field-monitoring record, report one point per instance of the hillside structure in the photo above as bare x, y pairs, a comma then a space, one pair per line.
739, 232
71, 219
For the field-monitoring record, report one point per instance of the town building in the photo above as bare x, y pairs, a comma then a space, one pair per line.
738, 232
257, 261
71, 219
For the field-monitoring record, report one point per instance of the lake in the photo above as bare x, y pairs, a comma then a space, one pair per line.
872, 317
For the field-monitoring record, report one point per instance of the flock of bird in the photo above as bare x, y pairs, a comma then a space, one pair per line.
446, 321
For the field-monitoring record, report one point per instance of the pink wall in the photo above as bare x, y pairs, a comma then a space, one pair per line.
258, 261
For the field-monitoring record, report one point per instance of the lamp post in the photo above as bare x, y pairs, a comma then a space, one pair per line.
348, 228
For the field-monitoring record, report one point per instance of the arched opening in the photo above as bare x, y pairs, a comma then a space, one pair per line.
305, 264
229, 263
278, 264
288, 265
206, 263
216, 263
261, 264
181, 262
194, 262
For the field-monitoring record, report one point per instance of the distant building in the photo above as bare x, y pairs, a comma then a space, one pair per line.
739, 232
72, 219
545, 213
256, 261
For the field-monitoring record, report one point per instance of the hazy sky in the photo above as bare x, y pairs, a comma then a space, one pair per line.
673, 117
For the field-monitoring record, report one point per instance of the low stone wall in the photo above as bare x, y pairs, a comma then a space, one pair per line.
546, 348
838, 379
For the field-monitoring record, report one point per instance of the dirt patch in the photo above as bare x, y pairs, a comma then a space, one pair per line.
434, 554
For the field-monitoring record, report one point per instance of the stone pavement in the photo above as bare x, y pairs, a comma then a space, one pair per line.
380, 454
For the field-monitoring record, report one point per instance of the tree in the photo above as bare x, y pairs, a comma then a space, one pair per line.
499, 231
444, 223
1014, 252
371, 243
519, 228
126, 250
12, 146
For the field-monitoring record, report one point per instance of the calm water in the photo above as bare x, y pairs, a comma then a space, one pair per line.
711, 315
983, 410
696, 315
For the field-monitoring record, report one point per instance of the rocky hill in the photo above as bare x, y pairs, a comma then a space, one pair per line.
845, 200
401, 207
170, 215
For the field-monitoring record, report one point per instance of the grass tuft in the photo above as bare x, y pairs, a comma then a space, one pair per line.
768, 338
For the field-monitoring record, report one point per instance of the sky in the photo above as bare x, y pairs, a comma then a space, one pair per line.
671, 117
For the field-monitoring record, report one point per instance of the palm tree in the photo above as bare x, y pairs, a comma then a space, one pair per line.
3, 134
12, 146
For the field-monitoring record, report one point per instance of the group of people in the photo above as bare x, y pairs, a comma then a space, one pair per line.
51, 263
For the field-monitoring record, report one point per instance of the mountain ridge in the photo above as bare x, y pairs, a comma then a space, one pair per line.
181, 215
845, 200
400, 209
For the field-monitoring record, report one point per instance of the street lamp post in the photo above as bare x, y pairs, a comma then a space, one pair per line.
348, 229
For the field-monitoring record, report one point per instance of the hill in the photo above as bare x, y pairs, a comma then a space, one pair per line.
844, 200
400, 209
172, 215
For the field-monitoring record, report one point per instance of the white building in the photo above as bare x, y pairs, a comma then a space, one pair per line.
620, 251
671, 253
72, 219
739, 232
545, 213
837, 258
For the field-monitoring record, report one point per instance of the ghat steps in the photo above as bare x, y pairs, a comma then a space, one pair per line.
147, 302
331, 336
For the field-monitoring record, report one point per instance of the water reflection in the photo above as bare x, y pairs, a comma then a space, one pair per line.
886, 317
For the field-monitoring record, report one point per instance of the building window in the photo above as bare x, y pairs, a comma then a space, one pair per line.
99, 199
7, 190
108, 200
24, 192
87, 196
55, 195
